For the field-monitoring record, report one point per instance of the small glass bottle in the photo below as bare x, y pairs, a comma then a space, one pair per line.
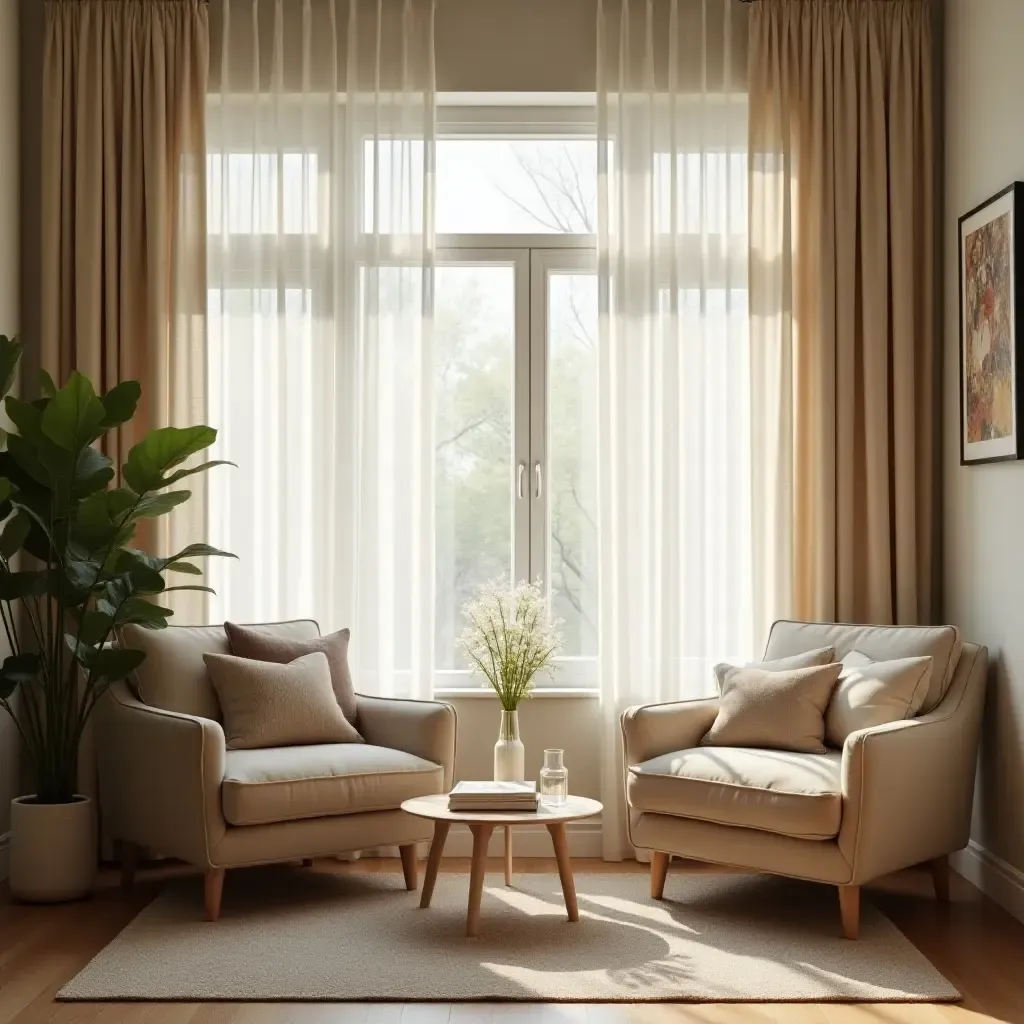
554, 779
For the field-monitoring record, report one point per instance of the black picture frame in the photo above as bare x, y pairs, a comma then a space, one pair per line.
1009, 289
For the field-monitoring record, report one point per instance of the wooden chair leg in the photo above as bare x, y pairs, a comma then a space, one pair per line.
659, 869
128, 854
849, 909
940, 878
408, 855
213, 889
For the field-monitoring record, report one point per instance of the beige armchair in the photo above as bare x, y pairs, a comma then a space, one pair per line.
168, 783
895, 795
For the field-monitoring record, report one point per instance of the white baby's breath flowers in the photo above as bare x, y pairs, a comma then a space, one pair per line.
510, 637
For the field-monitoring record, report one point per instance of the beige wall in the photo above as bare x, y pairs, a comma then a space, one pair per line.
984, 505
571, 723
9, 319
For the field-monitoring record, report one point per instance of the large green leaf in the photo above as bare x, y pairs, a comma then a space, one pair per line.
141, 612
46, 385
109, 663
184, 567
204, 590
74, 416
10, 354
17, 585
18, 669
144, 579
161, 450
39, 522
94, 627
81, 574
5, 488
202, 468
152, 505
93, 471
28, 418
120, 403
26, 455
198, 551
15, 534
99, 517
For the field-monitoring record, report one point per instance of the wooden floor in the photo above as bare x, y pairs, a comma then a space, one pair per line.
976, 944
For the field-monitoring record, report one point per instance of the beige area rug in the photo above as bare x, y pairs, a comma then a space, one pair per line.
289, 934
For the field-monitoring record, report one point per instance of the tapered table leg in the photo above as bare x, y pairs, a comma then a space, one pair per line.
560, 841
434, 861
508, 854
481, 837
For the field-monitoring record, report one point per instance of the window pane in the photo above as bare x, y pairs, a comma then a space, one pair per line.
474, 332
572, 458
497, 186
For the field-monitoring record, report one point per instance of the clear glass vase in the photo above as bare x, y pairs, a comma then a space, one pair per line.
554, 779
509, 753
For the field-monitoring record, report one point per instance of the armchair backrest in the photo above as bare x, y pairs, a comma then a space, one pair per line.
882, 643
173, 676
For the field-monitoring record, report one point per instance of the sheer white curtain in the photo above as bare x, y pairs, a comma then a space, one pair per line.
675, 592
320, 220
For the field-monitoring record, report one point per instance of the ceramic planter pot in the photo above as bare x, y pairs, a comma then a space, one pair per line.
53, 849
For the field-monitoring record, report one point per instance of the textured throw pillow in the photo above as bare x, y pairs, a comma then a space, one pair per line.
871, 693
264, 704
775, 710
252, 642
806, 659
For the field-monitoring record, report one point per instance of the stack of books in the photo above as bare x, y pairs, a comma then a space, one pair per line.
497, 797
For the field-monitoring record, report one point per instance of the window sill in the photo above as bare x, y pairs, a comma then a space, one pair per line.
542, 692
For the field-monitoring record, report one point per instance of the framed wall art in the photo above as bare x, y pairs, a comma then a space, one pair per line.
991, 361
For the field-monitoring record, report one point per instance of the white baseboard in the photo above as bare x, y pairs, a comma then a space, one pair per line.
993, 876
5, 842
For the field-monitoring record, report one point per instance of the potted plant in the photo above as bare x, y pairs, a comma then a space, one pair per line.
509, 638
69, 579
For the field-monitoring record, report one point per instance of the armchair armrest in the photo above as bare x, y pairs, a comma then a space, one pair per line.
425, 728
160, 776
653, 729
908, 786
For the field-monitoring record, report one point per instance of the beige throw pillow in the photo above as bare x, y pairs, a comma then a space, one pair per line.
806, 659
776, 710
871, 693
268, 705
252, 642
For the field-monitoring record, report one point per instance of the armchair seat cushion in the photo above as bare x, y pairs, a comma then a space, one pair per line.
289, 783
778, 791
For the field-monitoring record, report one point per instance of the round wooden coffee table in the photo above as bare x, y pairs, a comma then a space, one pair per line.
482, 824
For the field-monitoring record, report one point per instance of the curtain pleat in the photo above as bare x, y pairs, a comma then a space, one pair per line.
674, 450
842, 309
123, 198
321, 362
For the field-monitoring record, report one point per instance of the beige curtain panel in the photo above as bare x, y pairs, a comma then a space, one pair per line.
843, 340
124, 98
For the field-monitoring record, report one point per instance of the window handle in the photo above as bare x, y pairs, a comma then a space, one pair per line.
538, 476
521, 479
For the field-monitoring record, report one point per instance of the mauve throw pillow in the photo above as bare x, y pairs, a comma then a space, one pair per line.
252, 642
269, 705
773, 710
